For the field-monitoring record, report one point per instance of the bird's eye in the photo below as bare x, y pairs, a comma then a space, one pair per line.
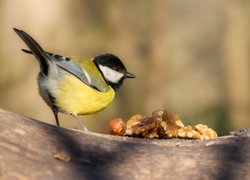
116, 68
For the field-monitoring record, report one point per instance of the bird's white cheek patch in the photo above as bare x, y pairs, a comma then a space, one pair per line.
110, 74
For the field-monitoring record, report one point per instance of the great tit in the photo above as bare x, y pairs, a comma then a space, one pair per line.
76, 86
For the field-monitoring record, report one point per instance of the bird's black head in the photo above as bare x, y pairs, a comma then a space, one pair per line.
112, 69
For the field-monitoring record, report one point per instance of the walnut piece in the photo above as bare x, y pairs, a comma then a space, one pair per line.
205, 131
143, 126
162, 124
188, 132
171, 123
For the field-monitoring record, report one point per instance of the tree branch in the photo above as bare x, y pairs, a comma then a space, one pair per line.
30, 149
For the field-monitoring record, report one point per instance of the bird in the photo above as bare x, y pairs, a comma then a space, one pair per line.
76, 85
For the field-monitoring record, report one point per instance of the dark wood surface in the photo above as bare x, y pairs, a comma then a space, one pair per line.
30, 149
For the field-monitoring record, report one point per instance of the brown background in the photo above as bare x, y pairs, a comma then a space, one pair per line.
191, 57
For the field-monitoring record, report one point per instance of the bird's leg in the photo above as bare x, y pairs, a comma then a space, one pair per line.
55, 112
84, 128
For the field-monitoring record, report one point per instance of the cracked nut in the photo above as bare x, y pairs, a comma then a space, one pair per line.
162, 124
143, 126
205, 131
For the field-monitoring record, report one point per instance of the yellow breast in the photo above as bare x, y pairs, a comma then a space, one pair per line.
74, 97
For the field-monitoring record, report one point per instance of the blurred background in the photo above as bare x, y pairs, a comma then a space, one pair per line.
190, 57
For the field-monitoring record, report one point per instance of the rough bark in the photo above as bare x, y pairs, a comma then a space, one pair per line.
30, 149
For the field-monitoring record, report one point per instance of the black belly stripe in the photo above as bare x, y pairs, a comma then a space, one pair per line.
52, 100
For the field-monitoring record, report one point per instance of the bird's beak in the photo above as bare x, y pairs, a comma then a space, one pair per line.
129, 75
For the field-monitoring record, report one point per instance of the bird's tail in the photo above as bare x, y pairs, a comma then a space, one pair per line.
36, 50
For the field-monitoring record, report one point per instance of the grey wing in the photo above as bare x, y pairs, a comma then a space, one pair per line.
65, 64
74, 70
